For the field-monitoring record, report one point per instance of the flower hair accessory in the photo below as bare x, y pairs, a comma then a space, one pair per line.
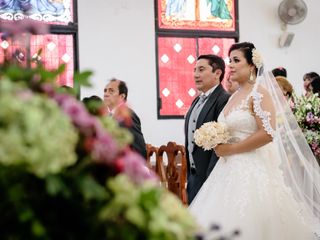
256, 58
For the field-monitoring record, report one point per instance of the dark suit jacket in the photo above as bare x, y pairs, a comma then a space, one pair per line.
204, 160
138, 144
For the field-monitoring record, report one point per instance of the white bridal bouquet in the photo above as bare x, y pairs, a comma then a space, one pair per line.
210, 134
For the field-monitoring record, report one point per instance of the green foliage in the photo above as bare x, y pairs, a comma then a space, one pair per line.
146, 212
74, 204
17, 73
60, 206
82, 78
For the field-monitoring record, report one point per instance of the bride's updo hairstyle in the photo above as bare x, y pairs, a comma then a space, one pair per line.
246, 48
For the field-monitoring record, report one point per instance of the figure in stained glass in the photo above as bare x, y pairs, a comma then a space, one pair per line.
174, 8
219, 9
52, 7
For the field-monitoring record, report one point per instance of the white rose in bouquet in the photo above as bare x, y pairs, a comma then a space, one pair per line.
210, 134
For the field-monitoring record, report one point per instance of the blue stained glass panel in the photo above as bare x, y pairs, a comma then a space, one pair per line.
50, 11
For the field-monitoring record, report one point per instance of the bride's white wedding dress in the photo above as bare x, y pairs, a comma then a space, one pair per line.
247, 191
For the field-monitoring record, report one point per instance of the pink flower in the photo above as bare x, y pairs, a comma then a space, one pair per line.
24, 95
77, 112
310, 117
101, 145
135, 167
88, 144
123, 115
104, 149
119, 165
46, 88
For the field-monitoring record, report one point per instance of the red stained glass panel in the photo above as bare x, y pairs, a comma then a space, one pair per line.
176, 60
217, 46
176, 57
56, 50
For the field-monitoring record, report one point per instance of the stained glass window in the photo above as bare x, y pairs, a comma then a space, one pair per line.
50, 11
59, 46
56, 50
212, 15
186, 29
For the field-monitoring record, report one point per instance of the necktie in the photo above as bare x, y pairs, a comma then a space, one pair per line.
202, 99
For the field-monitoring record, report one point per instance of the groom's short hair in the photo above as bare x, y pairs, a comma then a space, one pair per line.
215, 62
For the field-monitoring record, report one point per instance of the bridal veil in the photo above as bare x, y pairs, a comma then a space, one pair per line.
300, 168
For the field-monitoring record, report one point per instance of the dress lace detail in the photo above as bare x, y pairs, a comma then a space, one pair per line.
247, 191
242, 106
263, 115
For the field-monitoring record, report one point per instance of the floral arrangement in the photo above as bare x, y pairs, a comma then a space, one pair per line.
66, 173
256, 58
307, 113
210, 134
21, 114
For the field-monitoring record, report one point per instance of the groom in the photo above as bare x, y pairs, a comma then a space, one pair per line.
208, 74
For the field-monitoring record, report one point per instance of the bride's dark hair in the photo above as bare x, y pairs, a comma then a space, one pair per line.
246, 49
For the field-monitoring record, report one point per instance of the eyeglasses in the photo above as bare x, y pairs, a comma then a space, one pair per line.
111, 91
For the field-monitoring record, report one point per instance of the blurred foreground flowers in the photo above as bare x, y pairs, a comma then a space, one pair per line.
66, 173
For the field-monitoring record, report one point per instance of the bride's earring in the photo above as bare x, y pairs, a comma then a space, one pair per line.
251, 78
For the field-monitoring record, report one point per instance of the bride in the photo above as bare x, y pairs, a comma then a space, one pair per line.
267, 182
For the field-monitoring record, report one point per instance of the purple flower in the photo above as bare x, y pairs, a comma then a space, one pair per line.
314, 145
104, 149
45, 87
135, 167
60, 98
77, 112
310, 117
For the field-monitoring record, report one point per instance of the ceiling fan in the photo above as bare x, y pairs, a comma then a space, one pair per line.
290, 12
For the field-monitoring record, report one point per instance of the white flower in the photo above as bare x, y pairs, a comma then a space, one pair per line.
309, 106
210, 134
256, 58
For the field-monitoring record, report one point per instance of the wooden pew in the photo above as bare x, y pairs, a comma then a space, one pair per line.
173, 174
152, 153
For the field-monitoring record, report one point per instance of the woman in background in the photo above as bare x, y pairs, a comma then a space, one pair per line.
307, 79
315, 86
285, 87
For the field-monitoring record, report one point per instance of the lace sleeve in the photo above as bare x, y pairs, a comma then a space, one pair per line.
263, 108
